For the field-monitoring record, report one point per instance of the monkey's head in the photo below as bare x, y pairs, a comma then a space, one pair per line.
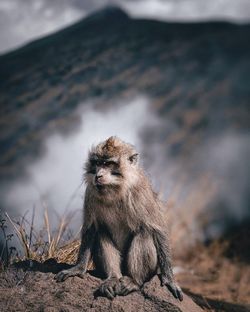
112, 166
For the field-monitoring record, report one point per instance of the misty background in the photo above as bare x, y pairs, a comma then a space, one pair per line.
211, 183
177, 88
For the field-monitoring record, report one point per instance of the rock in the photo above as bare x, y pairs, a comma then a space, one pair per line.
152, 298
163, 299
40, 292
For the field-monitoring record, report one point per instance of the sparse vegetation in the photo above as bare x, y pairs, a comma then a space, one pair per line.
38, 244
6, 251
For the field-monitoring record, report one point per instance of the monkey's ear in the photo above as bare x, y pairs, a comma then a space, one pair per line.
134, 158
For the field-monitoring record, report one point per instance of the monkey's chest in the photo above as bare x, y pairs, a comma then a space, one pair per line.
120, 235
116, 227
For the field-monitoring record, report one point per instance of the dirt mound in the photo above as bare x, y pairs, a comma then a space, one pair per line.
36, 291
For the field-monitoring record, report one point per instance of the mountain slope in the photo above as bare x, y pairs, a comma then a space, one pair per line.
197, 74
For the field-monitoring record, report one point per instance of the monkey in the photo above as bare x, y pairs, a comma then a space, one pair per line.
123, 230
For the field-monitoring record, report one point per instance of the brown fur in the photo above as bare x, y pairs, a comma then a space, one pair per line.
123, 228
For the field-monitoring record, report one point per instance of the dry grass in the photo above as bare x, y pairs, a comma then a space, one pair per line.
40, 244
68, 253
188, 215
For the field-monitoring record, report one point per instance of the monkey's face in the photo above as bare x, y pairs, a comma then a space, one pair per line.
103, 172
112, 167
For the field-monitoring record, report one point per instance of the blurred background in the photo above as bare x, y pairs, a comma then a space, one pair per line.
171, 77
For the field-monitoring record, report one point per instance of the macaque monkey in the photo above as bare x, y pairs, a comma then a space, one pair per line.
123, 231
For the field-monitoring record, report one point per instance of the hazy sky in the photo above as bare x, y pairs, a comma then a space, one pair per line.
25, 20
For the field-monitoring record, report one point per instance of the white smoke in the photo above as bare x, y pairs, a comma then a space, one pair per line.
227, 158
55, 177
190, 10
213, 185
212, 180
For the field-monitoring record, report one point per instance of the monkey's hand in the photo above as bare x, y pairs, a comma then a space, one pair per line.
127, 285
63, 275
110, 287
172, 287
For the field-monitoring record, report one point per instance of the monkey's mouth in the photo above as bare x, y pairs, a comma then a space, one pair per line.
99, 184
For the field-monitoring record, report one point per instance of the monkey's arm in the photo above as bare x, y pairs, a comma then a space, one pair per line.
164, 259
83, 256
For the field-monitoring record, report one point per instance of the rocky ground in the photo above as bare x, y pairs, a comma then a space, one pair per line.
39, 292
215, 280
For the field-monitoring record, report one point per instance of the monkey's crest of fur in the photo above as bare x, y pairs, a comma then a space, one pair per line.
114, 146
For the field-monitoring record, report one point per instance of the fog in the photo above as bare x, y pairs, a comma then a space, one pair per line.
55, 180
227, 158
207, 190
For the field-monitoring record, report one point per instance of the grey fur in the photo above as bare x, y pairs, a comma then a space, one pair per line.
123, 229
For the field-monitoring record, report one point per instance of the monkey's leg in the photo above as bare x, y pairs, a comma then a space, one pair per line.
110, 261
165, 266
141, 263
83, 257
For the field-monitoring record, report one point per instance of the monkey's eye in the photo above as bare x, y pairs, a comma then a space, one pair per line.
113, 163
109, 163
95, 162
106, 164
116, 173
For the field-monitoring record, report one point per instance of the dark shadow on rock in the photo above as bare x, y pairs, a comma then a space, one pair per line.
50, 265
217, 305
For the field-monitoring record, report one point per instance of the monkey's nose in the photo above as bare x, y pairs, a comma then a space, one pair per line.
98, 177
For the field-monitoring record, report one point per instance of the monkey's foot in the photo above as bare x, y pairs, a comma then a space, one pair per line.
172, 287
127, 286
63, 275
110, 288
